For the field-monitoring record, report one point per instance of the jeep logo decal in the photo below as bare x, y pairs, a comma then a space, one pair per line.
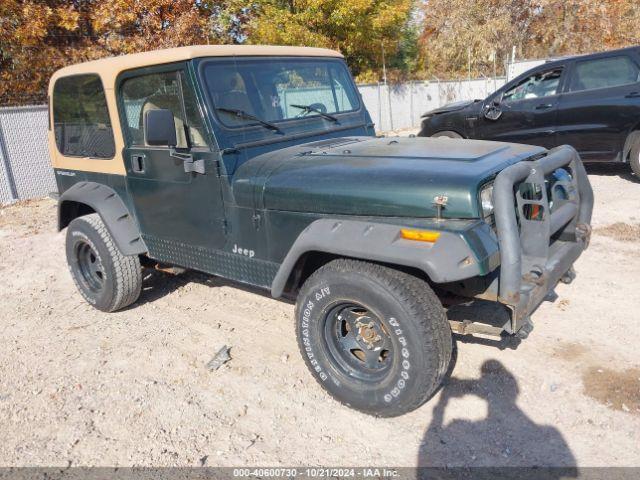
243, 251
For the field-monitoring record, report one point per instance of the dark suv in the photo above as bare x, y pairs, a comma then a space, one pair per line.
591, 102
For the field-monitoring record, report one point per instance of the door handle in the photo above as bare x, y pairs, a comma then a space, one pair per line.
633, 95
137, 163
544, 106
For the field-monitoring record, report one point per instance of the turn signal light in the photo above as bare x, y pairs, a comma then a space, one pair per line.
419, 235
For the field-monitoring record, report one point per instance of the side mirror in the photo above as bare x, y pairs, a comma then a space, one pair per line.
160, 128
492, 110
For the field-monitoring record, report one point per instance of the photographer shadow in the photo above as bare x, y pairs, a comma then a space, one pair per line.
506, 438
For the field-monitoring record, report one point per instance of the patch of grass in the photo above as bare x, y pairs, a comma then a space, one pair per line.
621, 231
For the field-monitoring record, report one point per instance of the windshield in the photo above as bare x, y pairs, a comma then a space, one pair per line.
275, 90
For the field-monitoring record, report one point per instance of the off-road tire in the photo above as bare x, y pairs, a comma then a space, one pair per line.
446, 134
121, 275
634, 158
408, 311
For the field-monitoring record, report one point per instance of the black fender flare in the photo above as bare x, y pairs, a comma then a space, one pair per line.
449, 259
104, 200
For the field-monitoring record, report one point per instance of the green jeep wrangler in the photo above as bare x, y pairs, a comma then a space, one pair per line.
260, 164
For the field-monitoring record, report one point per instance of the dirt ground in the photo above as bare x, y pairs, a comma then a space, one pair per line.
80, 387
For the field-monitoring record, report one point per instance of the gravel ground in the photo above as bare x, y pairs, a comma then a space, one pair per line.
80, 387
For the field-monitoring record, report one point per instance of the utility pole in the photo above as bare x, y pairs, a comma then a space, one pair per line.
494, 54
469, 61
384, 66
384, 78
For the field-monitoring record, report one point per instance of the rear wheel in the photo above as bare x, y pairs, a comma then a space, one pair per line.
105, 277
446, 134
634, 158
375, 338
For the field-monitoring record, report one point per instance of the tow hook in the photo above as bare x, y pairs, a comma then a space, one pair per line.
569, 276
583, 232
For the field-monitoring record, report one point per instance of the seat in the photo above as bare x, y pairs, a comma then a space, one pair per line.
230, 92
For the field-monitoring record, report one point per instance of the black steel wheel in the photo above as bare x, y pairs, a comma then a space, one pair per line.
90, 266
375, 338
358, 341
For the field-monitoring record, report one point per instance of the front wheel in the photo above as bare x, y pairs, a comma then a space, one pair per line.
446, 134
375, 338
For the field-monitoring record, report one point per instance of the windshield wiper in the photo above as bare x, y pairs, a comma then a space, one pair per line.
248, 116
309, 108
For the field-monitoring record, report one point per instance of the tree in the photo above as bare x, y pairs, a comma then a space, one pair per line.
581, 26
537, 28
453, 29
38, 37
360, 29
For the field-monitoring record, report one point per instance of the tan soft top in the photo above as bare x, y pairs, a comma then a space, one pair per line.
109, 68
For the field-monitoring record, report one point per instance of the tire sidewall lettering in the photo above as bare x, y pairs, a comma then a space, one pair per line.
405, 365
306, 323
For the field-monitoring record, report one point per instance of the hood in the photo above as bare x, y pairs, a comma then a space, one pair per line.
451, 107
375, 176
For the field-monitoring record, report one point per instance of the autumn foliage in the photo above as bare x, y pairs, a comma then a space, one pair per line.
38, 37
486, 30
431, 37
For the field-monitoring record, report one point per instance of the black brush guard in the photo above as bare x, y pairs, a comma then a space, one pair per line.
535, 254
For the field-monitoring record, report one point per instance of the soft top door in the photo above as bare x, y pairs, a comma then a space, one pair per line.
176, 192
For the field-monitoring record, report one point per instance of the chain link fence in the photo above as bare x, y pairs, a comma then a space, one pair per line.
25, 168
24, 154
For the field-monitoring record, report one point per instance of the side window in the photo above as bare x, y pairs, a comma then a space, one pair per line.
82, 126
162, 91
538, 85
603, 73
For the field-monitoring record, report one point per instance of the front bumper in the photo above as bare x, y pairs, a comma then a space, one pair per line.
536, 253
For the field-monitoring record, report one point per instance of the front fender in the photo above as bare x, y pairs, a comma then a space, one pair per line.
107, 203
456, 255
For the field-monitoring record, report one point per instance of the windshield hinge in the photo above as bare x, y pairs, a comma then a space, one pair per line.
256, 220
230, 150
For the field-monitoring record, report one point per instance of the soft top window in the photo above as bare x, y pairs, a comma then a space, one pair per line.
166, 90
82, 126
